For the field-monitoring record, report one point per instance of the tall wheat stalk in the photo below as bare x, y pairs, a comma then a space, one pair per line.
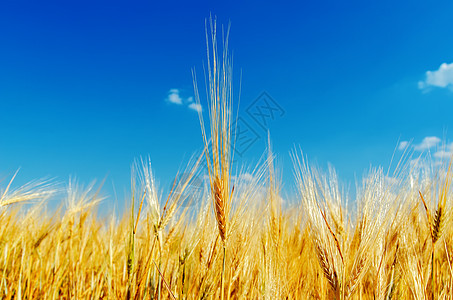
219, 91
274, 222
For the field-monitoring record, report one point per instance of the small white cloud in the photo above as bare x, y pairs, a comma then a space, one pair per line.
443, 77
442, 154
174, 97
389, 180
446, 152
403, 145
246, 177
427, 143
415, 162
195, 106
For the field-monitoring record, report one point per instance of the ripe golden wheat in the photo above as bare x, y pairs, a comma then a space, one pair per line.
239, 239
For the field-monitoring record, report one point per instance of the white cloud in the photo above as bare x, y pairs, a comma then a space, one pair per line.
173, 96
443, 154
246, 177
195, 106
443, 77
403, 145
427, 143
389, 180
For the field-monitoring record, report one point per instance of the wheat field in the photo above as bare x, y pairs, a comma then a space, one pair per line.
237, 238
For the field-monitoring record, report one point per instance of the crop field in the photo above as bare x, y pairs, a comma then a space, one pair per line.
235, 237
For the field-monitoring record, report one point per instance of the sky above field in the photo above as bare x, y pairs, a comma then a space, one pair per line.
88, 86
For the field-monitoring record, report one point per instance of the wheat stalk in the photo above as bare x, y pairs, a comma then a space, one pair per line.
219, 157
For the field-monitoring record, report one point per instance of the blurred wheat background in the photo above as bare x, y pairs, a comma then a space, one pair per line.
237, 238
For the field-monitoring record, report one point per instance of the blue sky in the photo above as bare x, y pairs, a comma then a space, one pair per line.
87, 86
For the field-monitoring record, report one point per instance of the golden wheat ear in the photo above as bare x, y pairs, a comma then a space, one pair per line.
31, 191
219, 207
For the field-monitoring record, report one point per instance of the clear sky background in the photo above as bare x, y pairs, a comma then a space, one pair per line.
87, 86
